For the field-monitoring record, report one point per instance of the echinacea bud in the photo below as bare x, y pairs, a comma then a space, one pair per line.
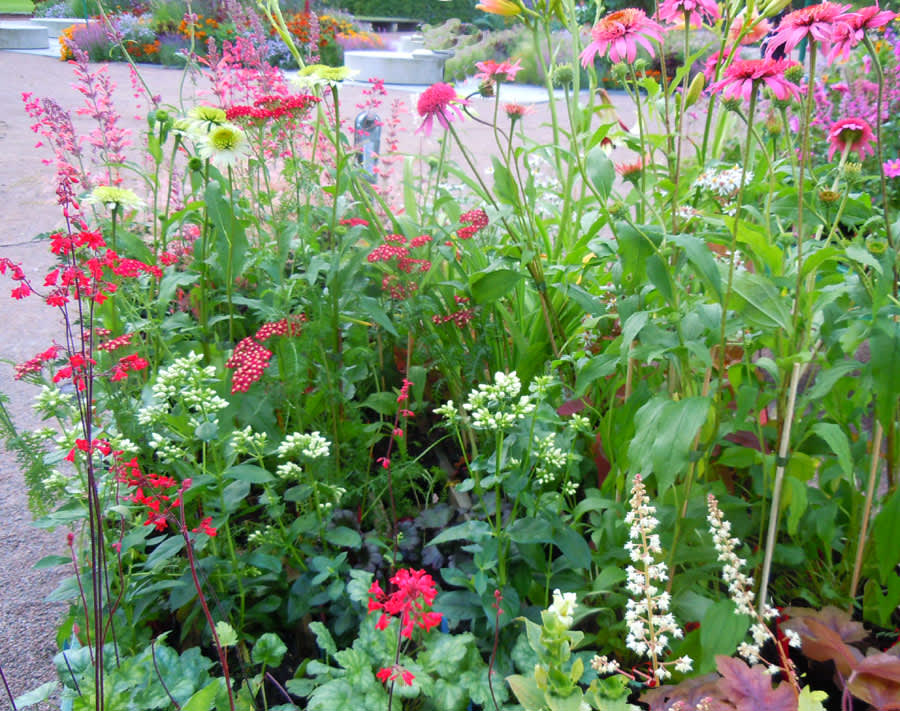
773, 7
731, 104
619, 71
876, 245
829, 196
563, 74
794, 73
694, 90
773, 126
852, 168
486, 89
195, 165
640, 65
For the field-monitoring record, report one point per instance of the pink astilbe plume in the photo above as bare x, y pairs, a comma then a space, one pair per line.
742, 74
697, 11
815, 23
439, 101
854, 134
619, 34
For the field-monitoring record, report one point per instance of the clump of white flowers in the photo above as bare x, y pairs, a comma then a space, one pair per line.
562, 609
184, 385
740, 588
498, 406
722, 183
246, 441
550, 460
311, 445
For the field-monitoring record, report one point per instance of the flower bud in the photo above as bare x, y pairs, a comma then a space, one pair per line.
562, 75
694, 90
486, 89
876, 245
619, 71
195, 165
773, 125
731, 104
852, 168
640, 65
829, 196
794, 73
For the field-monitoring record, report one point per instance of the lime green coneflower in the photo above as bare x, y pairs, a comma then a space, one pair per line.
112, 197
224, 145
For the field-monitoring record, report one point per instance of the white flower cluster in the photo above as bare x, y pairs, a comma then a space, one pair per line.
166, 449
184, 383
497, 406
246, 441
740, 585
289, 471
52, 402
310, 445
563, 608
650, 624
551, 460
722, 183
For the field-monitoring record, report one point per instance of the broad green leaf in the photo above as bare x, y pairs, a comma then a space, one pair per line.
836, 438
471, 530
448, 696
885, 537
527, 692
632, 329
530, 530
659, 276
235, 493
794, 500
488, 287
323, 638
51, 561
336, 694
504, 185
343, 537
764, 306
722, 629
204, 699
599, 366
372, 308
268, 650
249, 473
885, 350
226, 634
165, 550
600, 171
701, 259
573, 547
810, 700
35, 696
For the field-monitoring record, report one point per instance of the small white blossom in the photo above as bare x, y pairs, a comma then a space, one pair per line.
301, 444
563, 607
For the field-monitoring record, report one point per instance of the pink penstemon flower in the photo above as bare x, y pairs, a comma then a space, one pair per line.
697, 11
619, 33
851, 134
439, 101
742, 74
815, 23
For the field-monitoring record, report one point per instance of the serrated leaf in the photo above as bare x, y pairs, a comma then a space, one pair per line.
226, 634
268, 650
323, 638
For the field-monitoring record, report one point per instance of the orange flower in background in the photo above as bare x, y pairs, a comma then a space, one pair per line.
499, 7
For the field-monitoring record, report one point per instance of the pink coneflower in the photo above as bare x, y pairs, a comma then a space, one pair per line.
853, 133
742, 74
630, 171
492, 71
697, 11
756, 29
849, 32
892, 168
517, 111
815, 22
437, 102
619, 32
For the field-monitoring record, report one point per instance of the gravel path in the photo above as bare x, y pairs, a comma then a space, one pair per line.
27, 208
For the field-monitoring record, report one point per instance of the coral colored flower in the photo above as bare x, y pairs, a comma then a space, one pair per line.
492, 71
742, 74
414, 590
618, 33
755, 29
437, 102
892, 168
499, 7
697, 11
386, 674
853, 133
815, 22
516, 111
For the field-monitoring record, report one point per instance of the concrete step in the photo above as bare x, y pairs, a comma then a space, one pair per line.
23, 35
55, 25
420, 66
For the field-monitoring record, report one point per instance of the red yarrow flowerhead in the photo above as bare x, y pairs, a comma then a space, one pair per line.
415, 589
742, 74
697, 11
439, 101
619, 34
853, 134
815, 23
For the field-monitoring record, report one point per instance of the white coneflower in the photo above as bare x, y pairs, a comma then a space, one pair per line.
201, 120
224, 145
112, 197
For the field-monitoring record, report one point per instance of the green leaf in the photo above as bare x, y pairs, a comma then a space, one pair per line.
597, 367
268, 650
446, 653
248, 472
336, 694
35, 696
448, 695
530, 530
343, 537
51, 561
226, 634
764, 306
722, 630
487, 287
885, 349
659, 276
504, 185
632, 328
573, 547
323, 638
884, 535
527, 692
204, 699
235, 493
372, 308
795, 500
836, 438
701, 259
600, 171
471, 530
164, 551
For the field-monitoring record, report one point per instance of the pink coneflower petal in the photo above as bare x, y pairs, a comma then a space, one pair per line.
673, 11
815, 22
756, 29
742, 74
853, 132
617, 33
437, 102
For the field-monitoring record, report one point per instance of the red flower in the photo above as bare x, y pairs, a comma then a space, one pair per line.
492, 71
437, 102
618, 33
386, 674
853, 134
205, 527
742, 74
476, 220
414, 590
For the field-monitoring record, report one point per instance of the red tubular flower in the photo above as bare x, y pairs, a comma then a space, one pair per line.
619, 33
853, 133
414, 590
386, 674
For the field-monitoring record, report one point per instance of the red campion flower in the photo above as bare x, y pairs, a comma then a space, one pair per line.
815, 22
619, 33
742, 74
853, 134
415, 590
437, 102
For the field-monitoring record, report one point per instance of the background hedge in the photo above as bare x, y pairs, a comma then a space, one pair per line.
430, 11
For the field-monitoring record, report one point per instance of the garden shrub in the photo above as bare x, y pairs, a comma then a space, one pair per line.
425, 10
